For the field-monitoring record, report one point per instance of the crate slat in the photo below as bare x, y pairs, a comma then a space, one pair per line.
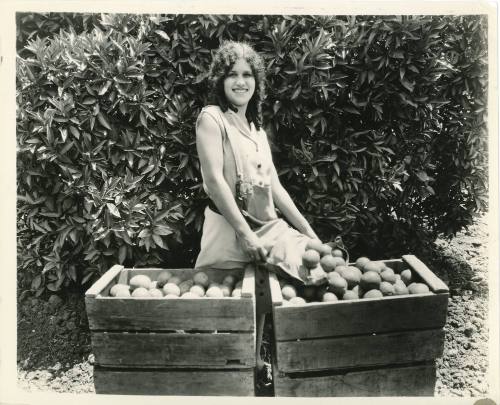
374, 315
434, 282
359, 351
156, 314
103, 282
174, 382
412, 380
221, 350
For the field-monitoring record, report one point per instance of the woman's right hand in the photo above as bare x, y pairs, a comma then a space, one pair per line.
253, 247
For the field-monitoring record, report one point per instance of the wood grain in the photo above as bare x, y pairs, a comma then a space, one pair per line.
276, 296
359, 351
434, 282
157, 314
374, 315
174, 382
248, 285
106, 279
115, 349
414, 380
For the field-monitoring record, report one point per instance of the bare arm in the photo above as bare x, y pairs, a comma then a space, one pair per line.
210, 153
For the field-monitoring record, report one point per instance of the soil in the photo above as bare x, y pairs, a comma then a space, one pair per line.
54, 349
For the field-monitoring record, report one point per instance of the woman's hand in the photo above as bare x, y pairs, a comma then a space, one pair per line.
253, 246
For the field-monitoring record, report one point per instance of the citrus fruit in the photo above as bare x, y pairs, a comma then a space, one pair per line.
155, 292
310, 258
388, 275
171, 288
116, 287
297, 301
337, 285
214, 292
317, 275
350, 295
315, 244
341, 270
226, 290
175, 280
122, 292
238, 284
386, 288
400, 289
163, 278
373, 266
337, 253
154, 284
198, 290
406, 276
189, 294
236, 292
352, 276
288, 291
169, 296
329, 297
229, 280
328, 263
185, 286
201, 278
373, 294
418, 288
361, 261
140, 292
370, 280
140, 280
356, 290
325, 250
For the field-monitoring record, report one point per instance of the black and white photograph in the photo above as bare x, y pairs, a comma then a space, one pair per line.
285, 202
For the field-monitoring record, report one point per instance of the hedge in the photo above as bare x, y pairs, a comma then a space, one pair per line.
377, 123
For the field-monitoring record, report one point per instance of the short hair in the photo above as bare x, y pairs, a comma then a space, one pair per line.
224, 59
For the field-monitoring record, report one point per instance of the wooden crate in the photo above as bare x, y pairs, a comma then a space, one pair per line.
207, 341
375, 337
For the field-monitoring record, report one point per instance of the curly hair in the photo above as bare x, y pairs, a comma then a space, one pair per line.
224, 59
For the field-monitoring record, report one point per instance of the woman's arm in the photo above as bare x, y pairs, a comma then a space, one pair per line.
210, 153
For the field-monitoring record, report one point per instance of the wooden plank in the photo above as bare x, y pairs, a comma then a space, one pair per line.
413, 380
360, 351
372, 315
274, 285
174, 382
248, 285
434, 282
103, 281
214, 350
123, 278
156, 314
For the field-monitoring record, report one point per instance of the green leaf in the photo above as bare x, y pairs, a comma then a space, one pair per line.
113, 210
103, 120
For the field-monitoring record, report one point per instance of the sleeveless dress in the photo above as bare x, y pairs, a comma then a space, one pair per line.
247, 159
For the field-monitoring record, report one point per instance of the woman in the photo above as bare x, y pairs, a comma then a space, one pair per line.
237, 169
241, 225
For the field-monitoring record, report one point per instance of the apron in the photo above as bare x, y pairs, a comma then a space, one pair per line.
220, 247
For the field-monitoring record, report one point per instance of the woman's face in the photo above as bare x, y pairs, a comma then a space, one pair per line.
239, 85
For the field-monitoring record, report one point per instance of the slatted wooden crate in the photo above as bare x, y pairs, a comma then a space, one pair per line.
367, 347
203, 346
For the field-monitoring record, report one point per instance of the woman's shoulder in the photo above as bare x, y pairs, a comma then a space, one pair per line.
209, 118
211, 109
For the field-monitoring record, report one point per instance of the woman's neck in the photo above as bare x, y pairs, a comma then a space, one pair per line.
242, 115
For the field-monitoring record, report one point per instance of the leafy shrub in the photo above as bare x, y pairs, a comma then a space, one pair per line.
377, 125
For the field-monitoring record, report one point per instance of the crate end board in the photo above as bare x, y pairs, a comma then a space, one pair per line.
373, 315
359, 351
207, 314
410, 380
192, 382
150, 350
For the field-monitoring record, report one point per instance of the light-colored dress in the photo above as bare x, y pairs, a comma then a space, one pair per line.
247, 157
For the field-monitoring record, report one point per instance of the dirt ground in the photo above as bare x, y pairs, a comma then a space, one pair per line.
54, 350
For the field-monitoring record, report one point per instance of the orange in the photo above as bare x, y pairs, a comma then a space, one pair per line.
229, 280
201, 278
328, 262
117, 287
337, 284
140, 292
369, 281
400, 289
171, 288
350, 295
406, 276
198, 290
310, 258
214, 292
341, 270
297, 301
288, 291
388, 275
188, 294
122, 293
418, 288
185, 286
361, 261
163, 278
373, 266
337, 253
155, 292
236, 292
226, 290
308, 292
329, 297
175, 280
373, 294
140, 280
325, 250
386, 288
315, 244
